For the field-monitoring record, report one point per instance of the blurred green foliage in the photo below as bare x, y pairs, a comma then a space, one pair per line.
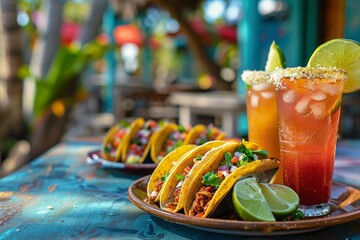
68, 64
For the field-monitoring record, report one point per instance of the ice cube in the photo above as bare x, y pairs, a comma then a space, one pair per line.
331, 89
302, 105
254, 100
318, 109
289, 96
318, 96
260, 86
267, 95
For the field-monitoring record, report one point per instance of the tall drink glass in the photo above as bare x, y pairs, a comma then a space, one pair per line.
262, 111
309, 102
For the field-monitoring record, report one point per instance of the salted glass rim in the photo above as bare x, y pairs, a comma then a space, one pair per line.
255, 76
330, 74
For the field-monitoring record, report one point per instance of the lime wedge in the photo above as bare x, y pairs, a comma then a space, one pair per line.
282, 200
249, 202
343, 54
276, 58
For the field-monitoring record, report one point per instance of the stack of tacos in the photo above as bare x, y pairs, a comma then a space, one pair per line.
198, 187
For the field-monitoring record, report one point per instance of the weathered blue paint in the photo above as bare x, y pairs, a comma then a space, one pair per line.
60, 196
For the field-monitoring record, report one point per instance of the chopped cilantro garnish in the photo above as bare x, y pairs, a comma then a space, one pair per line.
297, 215
181, 128
248, 154
262, 153
166, 175
211, 179
124, 124
202, 141
243, 161
107, 150
179, 177
210, 132
228, 158
177, 144
136, 141
198, 158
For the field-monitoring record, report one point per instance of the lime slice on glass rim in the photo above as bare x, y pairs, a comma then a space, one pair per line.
249, 202
276, 58
282, 200
343, 54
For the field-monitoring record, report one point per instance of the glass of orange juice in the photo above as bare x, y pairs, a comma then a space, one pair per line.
262, 111
309, 102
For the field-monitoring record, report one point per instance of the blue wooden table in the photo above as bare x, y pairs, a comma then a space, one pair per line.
60, 196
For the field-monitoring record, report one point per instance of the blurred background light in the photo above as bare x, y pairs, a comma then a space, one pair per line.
23, 18
213, 10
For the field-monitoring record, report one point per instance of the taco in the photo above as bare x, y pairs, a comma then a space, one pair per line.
219, 173
112, 141
170, 137
162, 171
175, 188
137, 143
201, 134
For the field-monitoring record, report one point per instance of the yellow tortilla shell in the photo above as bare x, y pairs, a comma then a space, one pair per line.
159, 140
186, 160
166, 166
213, 163
136, 124
107, 138
126, 145
197, 130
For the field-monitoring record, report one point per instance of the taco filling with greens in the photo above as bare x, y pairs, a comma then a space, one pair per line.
113, 140
181, 177
210, 133
212, 180
139, 142
174, 140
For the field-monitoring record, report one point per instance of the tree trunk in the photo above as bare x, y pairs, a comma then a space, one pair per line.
11, 124
93, 24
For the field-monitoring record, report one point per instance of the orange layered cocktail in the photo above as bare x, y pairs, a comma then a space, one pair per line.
308, 101
262, 111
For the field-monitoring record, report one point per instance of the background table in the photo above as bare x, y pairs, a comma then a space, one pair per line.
225, 105
60, 196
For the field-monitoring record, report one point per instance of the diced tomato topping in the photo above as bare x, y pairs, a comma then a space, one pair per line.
152, 124
235, 159
187, 169
120, 133
133, 147
116, 142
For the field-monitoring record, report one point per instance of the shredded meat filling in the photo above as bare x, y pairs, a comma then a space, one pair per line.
201, 201
157, 188
174, 203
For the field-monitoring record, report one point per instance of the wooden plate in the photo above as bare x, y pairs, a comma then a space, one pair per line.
345, 207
